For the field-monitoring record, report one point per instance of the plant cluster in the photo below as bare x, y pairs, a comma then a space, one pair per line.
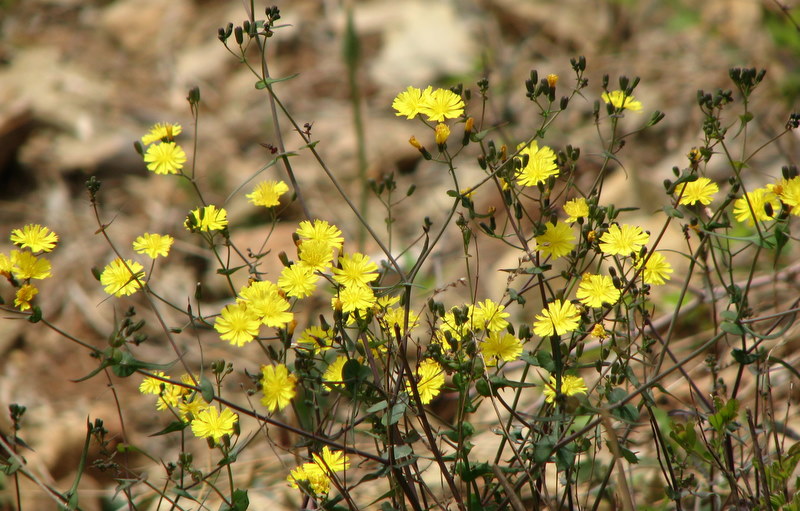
561, 373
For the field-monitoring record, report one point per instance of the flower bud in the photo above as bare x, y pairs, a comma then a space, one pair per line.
442, 132
552, 80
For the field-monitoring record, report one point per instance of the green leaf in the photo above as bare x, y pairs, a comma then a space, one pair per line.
731, 328
672, 212
239, 502
172, 427
206, 389
262, 84
743, 357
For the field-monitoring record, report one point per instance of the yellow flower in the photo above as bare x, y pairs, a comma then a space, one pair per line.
278, 387
764, 203
153, 245
599, 332
556, 241
333, 373
356, 270
119, 280
331, 462
25, 265
161, 131
321, 230
619, 100
396, 316
191, 408
209, 423
264, 298
151, 385
355, 298
410, 101
318, 481
165, 158
623, 240
595, 290
788, 191
541, 164
316, 339
657, 270
576, 208
267, 193
35, 237
441, 133
430, 378
298, 280
208, 218
552, 80
170, 397
557, 318
316, 255
490, 315
441, 104
500, 346
570, 385
702, 190
237, 324
24, 296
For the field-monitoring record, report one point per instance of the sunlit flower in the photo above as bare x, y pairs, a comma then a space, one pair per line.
396, 316
153, 245
298, 280
541, 164
788, 191
151, 385
595, 290
165, 158
765, 206
278, 386
331, 461
316, 255
319, 472
556, 241
430, 378
619, 100
35, 237
702, 190
24, 295
25, 265
191, 408
264, 298
441, 103
570, 385
356, 270
170, 397
321, 230
500, 346
657, 270
354, 298
490, 315
207, 218
623, 240
557, 318
209, 423
332, 376
575, 209
315, 338
237, 324
267, 193
410, 101
119, 280
162, 131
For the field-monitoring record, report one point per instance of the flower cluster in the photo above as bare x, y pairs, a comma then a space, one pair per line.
23, 266
163, 155
317, 474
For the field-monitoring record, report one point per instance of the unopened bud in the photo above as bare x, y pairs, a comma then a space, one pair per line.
442, 132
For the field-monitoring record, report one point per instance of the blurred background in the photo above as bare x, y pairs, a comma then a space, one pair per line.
81, 80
